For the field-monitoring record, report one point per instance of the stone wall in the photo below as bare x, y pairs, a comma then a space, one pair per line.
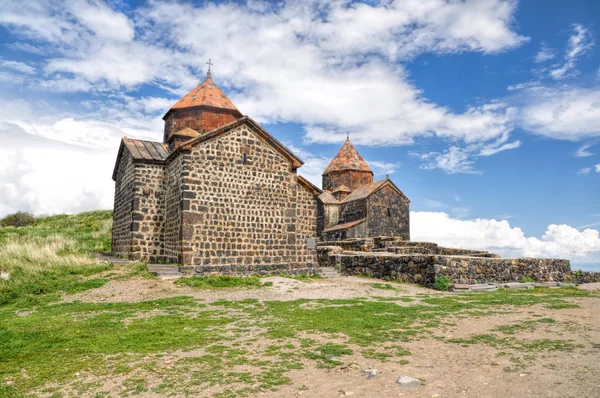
352, 211
388, 214
243, 215
173, 184
122, 217
306, 224
423, 269
584, 277
148, 212
350, 178
201, 119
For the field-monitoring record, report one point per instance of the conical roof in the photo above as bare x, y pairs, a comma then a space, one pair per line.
206, 94
347, 158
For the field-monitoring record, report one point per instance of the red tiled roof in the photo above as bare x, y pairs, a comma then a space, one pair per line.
327, 198
347, 158
208, 94
345, 225
364, 191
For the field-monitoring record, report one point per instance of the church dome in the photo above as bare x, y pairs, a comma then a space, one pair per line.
206, 93
203, 109
347, 158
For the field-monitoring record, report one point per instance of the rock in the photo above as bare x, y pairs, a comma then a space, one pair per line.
370, 373
408, 382
4, 275
436, 396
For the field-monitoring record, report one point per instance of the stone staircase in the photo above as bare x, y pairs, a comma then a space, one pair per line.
329, 272
164, 270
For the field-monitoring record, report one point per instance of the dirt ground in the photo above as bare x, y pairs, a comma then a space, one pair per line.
446, 369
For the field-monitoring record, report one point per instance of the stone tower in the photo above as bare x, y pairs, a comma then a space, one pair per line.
203, 109
346, 172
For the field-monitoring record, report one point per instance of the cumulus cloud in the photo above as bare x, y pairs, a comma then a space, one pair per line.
584, 171
565, 113
44, 176
54, 164
325, 65
559, 241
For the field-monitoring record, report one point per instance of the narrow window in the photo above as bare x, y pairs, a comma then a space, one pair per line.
389, 212
245, 156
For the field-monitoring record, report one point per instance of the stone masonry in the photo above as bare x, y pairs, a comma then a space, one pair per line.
219, 194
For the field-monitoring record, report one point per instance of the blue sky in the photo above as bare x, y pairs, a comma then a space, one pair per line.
485, 113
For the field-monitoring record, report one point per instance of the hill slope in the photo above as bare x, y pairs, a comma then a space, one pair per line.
52, 255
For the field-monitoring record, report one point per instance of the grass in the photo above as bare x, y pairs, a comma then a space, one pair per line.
51, 256
222, 281
304, 277
180, 346
132, 336
382, 286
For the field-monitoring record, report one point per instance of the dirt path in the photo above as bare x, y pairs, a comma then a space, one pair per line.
283, 289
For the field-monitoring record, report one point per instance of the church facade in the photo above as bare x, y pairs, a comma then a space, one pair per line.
222, 194
352, 205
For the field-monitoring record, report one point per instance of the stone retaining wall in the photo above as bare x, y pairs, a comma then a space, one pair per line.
424, 268
251, 269
584, 277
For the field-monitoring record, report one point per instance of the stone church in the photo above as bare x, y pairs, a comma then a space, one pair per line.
222, 194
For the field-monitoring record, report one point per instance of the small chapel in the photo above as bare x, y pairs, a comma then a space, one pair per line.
220, 193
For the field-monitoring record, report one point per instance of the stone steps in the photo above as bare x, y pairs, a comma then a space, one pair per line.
164, 270
329, 272
111, 259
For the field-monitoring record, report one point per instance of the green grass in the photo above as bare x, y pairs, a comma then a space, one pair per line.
382, 286
87, 336
304, 277
517, 344
222, 281
327, 354
87, 232
51, 257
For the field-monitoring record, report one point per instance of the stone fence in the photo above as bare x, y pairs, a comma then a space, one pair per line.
425, 268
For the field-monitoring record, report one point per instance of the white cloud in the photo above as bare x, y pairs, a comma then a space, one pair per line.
545, 54
381, 168
55, 164
559, 241
583, 151
454, 160
17, 66
598, 168
565, 113
335, 57
580, 43
47, 177
584, 171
